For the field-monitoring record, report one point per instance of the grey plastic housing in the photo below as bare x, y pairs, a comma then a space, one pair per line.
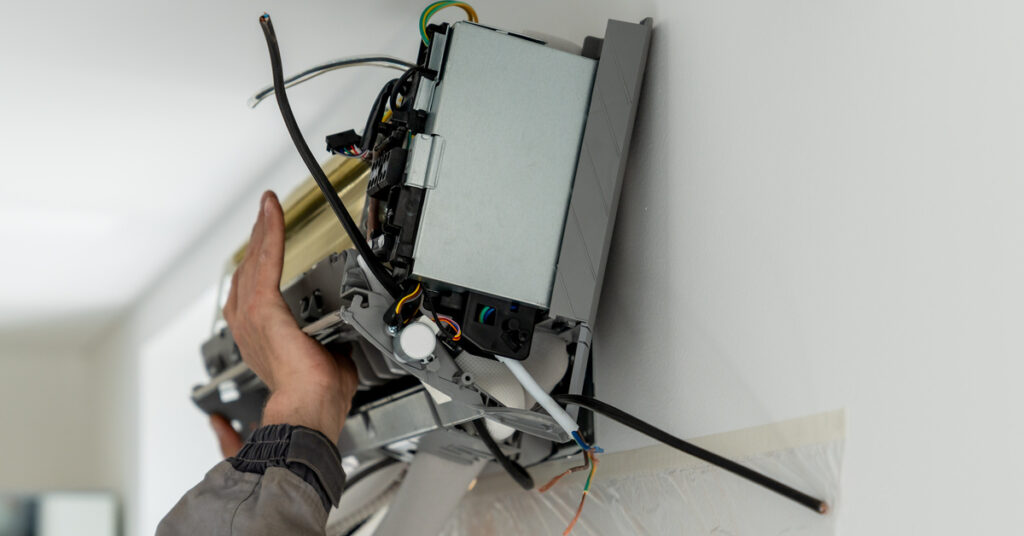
600, 169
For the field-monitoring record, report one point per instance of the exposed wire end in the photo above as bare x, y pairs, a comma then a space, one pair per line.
589, 461
585, 465
586, 491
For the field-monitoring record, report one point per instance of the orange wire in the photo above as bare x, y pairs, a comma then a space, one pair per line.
579, 510
584, 465
458, 332
415, 292
586, 491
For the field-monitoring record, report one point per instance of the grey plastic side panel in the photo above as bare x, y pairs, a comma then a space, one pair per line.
602, 163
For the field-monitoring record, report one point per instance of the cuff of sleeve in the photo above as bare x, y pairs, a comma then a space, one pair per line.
304, 451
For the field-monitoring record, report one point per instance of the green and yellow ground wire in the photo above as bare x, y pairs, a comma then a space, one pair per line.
438, 6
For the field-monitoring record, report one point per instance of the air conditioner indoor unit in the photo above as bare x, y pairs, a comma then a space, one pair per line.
489, 197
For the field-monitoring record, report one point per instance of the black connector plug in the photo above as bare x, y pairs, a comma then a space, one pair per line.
343, 140
387, 172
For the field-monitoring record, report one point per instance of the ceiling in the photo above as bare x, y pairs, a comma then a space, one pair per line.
126, 133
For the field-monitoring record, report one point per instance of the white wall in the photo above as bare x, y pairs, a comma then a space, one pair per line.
176, 446
821, 212
49, 410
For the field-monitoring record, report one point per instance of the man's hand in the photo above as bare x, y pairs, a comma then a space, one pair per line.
229, 440
308, 386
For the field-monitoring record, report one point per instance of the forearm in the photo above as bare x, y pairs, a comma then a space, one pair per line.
283, 481
287, 475
321, 409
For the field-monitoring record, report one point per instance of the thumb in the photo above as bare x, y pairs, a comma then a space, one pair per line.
230, 441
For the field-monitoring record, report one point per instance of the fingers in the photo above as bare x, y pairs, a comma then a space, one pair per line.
255, 239
257, 314
271, 250
232, 302
259, 274
229, 440
302, 377
253, 252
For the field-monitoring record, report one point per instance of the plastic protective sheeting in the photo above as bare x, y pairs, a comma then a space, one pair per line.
659, 491
432, 488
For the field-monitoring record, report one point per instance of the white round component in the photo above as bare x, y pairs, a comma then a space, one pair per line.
417, 341
499, 431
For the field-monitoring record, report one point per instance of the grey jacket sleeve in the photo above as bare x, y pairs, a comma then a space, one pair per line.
283, 481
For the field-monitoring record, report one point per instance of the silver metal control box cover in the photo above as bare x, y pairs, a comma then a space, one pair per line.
505, 123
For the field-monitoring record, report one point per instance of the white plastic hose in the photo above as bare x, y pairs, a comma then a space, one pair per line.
543, 398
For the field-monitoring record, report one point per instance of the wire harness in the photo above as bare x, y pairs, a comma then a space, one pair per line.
589, 462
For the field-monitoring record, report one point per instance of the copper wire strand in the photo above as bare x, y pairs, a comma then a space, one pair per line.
586, 491
579, 510
581, 467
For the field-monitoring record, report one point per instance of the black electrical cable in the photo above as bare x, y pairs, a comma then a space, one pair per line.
406, 76
516, 471
372, 262
714, 459
437, 321
376, 116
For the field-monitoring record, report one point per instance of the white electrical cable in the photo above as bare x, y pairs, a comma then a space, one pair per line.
540, 395
378, 60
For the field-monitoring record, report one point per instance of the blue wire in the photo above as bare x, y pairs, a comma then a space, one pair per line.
579, 441
583, 444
